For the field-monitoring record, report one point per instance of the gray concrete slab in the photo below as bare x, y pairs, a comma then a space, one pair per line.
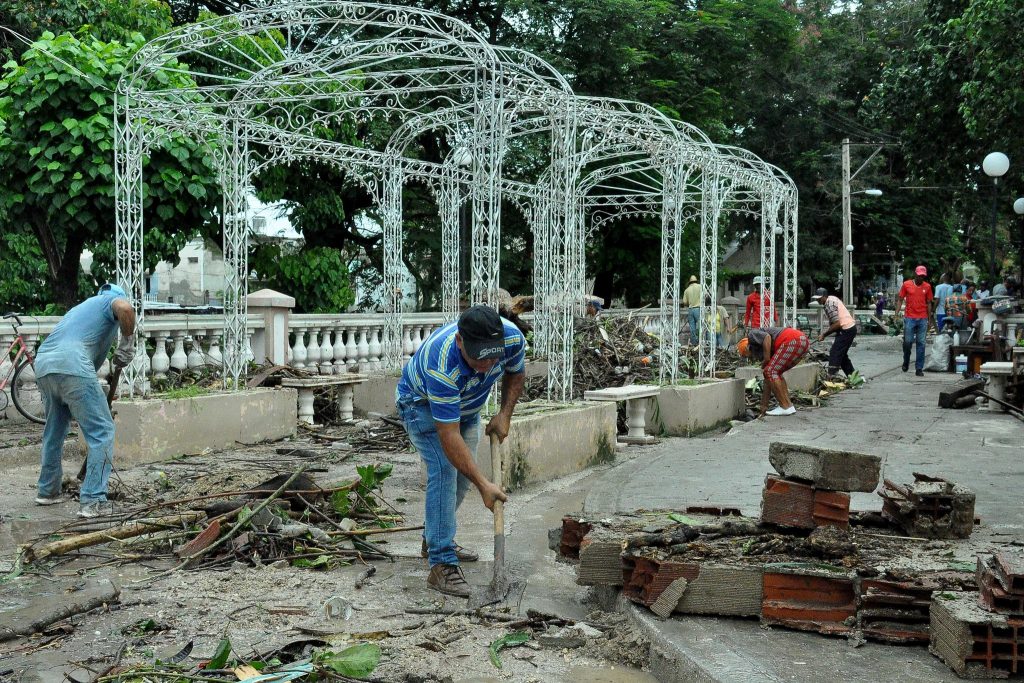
894, 416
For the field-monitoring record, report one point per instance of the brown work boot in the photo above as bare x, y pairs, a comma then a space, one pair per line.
463, 554
448, 579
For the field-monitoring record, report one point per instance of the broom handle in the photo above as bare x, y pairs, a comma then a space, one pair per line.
496, 477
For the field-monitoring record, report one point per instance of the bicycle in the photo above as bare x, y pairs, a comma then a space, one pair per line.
20, 378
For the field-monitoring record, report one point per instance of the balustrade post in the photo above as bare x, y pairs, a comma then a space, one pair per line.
270, 344
299, 353
375, 349
326, 353
407, 349
179, 361
313, 350
339, 349
351, 349
364, 348
195, 354
214, 357
161, 362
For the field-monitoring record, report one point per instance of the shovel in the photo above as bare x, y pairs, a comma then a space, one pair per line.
504, 586
114, 381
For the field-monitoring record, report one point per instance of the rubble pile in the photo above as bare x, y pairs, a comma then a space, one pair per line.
614, 351
981, 634
806, 564
930, 507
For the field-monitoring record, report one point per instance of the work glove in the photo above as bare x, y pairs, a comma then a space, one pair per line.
125, 352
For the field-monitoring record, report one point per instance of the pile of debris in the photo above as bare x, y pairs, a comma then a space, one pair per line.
981, 634
614, 351
808, 563
289, 519
931, 507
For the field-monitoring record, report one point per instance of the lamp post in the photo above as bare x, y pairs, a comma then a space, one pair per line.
995, 165
847, 218
1018, 208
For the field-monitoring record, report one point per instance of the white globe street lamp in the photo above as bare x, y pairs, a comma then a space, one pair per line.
995, 165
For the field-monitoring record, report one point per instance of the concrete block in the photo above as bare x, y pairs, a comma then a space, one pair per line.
826, 469
375, 395
684, 410
803, 377
972, 642
725, 590
544, 445
931, 507
154, 429
994, 597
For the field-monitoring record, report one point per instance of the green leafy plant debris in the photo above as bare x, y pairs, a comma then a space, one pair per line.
357, 661
509, 640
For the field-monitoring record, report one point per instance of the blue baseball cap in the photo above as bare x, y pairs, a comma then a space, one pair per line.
111, 289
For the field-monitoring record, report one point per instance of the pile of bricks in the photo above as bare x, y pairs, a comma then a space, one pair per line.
931, 507
814, 484
981, 635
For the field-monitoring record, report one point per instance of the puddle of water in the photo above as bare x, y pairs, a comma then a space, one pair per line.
620, 674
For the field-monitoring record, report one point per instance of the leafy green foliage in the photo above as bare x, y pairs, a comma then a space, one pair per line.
57, 156
221, 655
357, 661
319, 562
317, 277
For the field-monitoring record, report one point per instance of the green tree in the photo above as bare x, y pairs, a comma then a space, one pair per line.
57, 155
317, 277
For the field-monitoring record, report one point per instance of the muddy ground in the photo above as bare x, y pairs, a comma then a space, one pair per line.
262, 606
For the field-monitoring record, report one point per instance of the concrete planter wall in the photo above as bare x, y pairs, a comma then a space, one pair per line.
690, 409
156, 429
552, 444
803, 377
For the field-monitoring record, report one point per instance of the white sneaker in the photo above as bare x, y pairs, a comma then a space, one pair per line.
782, 411
49, 500
103, 508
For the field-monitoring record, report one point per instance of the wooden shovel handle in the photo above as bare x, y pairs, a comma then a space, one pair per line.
496, 477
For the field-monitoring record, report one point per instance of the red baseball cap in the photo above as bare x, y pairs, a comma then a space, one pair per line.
920, 270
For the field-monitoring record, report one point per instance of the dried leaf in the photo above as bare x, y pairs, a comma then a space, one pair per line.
246, 671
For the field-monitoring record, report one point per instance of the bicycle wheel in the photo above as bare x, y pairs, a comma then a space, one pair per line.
26, 395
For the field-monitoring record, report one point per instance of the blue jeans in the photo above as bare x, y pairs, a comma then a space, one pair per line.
913, 331
446, 487
939, 319
694, 314
81, 398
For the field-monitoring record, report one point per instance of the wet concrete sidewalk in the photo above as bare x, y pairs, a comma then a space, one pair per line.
894, 416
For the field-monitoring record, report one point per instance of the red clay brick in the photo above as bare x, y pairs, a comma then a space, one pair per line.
992, 594
894, 611
831, 508
809, 602
644, 578
573, 530
787, 503
1009, 569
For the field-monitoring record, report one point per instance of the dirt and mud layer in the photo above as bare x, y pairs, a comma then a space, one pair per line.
264, 600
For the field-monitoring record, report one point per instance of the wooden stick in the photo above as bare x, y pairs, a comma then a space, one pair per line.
373, 532
67, 545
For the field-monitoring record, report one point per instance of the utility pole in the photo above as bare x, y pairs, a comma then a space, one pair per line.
847, 228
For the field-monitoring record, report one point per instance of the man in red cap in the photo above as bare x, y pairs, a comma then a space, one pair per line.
920, 301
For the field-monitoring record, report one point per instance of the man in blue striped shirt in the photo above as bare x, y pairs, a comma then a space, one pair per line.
439, 397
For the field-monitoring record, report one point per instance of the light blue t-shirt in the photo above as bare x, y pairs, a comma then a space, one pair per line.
80, 342
438, 373
941, 292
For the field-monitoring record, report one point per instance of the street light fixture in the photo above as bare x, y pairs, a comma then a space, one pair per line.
847, 218
1018, 208
995, 165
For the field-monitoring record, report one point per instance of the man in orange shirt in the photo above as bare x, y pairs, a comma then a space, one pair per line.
841, 324
918, 296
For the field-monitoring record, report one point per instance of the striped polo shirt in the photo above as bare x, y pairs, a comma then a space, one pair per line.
438, 373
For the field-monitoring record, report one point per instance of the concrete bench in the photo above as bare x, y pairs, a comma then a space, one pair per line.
998, 374
345, 383
635, 396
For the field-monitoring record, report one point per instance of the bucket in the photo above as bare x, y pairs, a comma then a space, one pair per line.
961, 363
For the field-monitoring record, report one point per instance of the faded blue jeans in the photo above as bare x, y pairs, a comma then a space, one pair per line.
81, 398
694, 315
914, 330
446, 487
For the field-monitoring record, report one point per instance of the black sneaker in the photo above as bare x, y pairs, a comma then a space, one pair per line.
448, 579
906, 366
919, 373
